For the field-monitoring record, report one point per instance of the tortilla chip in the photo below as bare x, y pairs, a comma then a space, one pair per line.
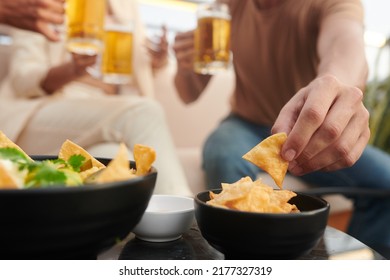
231, 193
118, 169
144, 157
70, 148
266, 155
253, 196
5, 142
89, 175
6, 180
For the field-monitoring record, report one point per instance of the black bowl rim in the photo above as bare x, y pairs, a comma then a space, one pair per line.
281, 215
81, 188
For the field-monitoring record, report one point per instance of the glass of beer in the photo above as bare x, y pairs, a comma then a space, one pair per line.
85, 25
212, 39
117, 57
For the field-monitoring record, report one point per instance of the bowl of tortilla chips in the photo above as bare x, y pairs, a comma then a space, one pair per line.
72, 205
248, 219
244, 234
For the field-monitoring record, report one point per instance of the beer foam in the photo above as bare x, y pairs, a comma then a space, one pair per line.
214, 14
118, 28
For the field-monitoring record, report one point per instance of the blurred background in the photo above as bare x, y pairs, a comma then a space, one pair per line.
201, 117
179, 15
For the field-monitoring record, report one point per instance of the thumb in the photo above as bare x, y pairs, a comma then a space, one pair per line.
285, 122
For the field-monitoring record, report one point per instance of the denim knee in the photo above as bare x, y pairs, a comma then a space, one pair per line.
222, 165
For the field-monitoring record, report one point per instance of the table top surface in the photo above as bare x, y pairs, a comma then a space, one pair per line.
334, 245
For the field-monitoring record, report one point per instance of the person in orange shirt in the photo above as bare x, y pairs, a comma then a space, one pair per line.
300, 68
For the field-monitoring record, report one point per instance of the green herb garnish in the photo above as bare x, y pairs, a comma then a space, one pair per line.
13, 155
76, 162
48, 172
44, 173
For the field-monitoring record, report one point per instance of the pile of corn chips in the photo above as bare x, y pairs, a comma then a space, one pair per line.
255, 196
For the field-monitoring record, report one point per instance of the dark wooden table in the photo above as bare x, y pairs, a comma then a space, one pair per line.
335, 244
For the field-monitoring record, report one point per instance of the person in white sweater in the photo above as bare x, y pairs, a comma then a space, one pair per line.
49, 97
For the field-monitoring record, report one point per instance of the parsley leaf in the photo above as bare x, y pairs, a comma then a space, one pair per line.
13, 154
76, 162
48, 172
45, 173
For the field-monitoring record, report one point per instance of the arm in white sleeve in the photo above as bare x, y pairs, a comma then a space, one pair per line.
29, 64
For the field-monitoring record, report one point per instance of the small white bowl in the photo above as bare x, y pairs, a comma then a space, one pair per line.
166, 218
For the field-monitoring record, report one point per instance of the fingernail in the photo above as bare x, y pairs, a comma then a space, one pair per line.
289, 155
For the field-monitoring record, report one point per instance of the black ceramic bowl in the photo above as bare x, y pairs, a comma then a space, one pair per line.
71, 222
245, 235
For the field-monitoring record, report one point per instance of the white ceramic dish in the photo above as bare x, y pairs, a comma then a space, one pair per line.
166, 218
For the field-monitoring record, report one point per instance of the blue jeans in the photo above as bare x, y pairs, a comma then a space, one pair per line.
370, 223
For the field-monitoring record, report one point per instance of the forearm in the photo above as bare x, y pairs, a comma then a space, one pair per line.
190, 85
342, 52
57, 77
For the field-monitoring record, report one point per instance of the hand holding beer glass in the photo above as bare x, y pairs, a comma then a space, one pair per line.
212, 38
114, 64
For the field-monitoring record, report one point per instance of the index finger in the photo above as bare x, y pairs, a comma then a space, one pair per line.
183, 42
51, 11
54, 5
317, 101
184, 35
51, 17
164, 30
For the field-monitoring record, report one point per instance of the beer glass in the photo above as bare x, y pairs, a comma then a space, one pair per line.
85, 25
212, 38
117, 57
